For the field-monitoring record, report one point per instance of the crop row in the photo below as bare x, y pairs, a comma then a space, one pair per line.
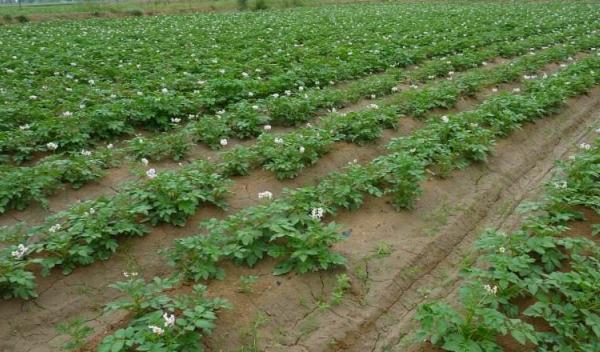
293, 228
245, 120
558, 272
88, 231
280, 153
178, 213
94, 98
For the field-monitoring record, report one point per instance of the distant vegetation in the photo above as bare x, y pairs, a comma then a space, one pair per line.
13, 13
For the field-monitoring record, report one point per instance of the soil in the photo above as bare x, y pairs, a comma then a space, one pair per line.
429, 244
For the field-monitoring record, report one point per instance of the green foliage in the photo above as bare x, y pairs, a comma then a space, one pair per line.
238, 161
77, 330
475, 327
287, 155
161, 322
246, 282
342, 285
172, 197
166, 145
530, 263
86, 233
361, 127
15, 279
280, 229
22, 18
242, 5
260, 5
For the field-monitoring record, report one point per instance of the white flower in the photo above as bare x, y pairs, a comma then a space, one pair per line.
265, 194
165, 91
301, 150
144, 161
151, 173
175, 120
33, 97
560, 184
445, 119
255, 107
494, 89
301, 88
52, 146
220, 112
414, 86
54, 228
20, 252
374, 106
585, 146
373, 96
201, 82
275, 95
316, 213
110, 146
245, 74
156, 329
85, 152
516, 90
91, 82
394, 89
278, 141
450, 73
501, 249
223, 142
169, 319
250, 94
267, 127
492, 290
67, 114
25, 127
132, 274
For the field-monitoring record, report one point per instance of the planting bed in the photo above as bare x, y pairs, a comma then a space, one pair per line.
302, 180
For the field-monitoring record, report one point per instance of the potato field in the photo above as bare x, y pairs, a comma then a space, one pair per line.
361, 177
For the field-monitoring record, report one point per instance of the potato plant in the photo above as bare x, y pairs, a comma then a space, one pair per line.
359, 127
161, 322
558, 272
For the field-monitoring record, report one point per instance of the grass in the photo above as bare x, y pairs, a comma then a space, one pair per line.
88, 9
